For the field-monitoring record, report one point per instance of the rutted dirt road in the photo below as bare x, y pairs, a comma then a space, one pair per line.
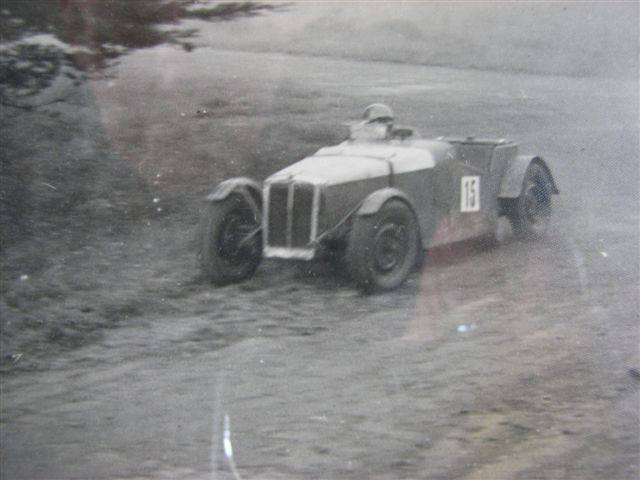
513, 362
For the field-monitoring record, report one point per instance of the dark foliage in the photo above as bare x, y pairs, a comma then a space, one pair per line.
96, 32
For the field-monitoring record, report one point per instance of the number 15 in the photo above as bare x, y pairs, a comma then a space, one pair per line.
470, 194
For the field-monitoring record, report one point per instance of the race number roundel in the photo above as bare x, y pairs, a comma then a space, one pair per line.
470, 194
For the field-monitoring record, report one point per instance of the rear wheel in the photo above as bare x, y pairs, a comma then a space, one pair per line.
383, 248
230, 241
530, 213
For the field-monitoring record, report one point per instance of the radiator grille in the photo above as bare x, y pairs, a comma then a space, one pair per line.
290, 220
302, 212
278, 215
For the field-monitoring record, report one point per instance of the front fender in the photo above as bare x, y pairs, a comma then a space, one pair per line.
374, 202
249, 189
511, 184
224, 189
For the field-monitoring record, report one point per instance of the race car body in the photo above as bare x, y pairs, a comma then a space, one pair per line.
378, 201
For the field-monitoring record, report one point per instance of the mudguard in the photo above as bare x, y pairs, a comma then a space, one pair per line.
249, 189
373, 203
511, 184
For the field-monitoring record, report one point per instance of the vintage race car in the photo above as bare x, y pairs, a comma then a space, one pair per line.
376, 201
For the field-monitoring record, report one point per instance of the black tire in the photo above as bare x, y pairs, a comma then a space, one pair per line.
383, 248
224, 225
530, 213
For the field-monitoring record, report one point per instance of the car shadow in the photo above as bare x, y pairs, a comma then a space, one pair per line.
459, 252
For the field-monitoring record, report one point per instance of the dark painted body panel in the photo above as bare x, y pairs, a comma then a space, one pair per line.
342, 199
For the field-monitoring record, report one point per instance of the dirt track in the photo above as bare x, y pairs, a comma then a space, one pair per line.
321, 382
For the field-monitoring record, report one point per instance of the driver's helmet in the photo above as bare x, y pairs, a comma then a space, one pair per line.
376, 124
378, 112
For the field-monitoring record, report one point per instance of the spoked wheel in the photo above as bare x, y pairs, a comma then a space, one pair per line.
383, 248
231, 241
390, 247
531, 212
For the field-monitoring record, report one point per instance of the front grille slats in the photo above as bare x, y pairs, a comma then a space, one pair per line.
278, 215
290, 215
302, 213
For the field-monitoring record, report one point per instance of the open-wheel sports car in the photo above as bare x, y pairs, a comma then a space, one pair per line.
378, 199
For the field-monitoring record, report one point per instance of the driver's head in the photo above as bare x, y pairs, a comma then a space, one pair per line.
378, 112
376, 124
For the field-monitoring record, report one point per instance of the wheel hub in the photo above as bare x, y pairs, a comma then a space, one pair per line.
535, 206
230, 243
390, 247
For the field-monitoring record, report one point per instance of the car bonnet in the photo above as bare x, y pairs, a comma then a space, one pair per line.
350, 162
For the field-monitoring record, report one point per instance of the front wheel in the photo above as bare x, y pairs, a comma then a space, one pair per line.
530, 213
230, 241
383, 248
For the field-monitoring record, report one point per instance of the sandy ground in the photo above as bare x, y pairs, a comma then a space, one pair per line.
515, 362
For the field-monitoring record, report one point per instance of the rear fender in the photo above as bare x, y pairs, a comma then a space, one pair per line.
249, 190
511, 184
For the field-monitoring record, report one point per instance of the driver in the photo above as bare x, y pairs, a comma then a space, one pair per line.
376, 124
